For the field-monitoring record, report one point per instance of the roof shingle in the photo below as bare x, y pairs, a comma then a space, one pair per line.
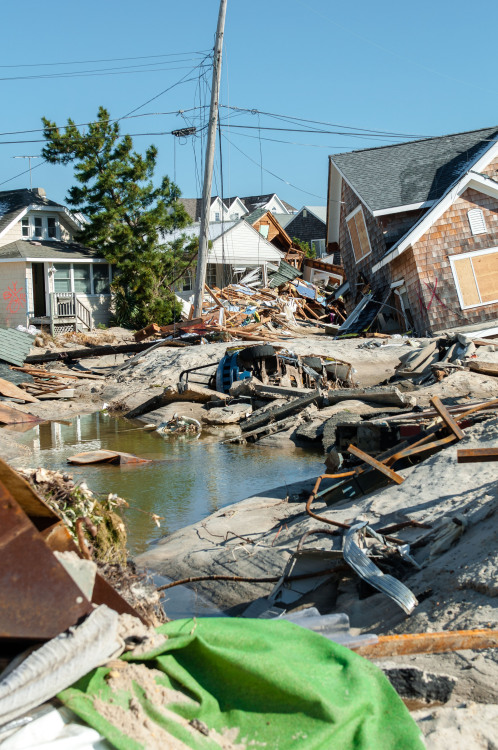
412, 172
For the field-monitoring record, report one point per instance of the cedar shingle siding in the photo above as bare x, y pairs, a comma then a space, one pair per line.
306, 228
449, 236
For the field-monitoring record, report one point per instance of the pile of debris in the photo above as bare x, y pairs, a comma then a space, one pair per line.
439, 357
297, 308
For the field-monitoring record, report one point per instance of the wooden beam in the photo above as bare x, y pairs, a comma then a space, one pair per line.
376, 464
473, 455
429, 643
446, 417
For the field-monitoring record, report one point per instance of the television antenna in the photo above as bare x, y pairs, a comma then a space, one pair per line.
28, 157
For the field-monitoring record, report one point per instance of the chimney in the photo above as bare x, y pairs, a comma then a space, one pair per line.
40, 191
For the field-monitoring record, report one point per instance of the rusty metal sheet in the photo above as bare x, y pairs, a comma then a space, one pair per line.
106, 457
38, 599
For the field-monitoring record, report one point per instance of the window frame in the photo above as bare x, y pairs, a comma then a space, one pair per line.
92, 292
31, 226
463, 256
350, 216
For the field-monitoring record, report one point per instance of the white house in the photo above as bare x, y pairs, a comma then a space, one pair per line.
46, 277
236, 248
232, 209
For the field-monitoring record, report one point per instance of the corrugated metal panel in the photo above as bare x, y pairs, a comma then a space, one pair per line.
285, 273
14, 346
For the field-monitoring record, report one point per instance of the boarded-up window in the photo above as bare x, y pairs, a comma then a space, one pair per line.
359, 235
476, 221
476, 276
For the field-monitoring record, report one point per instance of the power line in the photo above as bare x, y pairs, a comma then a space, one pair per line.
90, 74
273, 173
153, 98
328, 124
105, 59
84, 124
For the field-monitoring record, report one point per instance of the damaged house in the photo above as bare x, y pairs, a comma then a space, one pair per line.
417, 228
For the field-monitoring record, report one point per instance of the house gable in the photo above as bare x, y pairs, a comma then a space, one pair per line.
449, 272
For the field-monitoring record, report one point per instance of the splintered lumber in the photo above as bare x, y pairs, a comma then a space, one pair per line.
153, 329
9, 390
475, 455
376, 464
446, 417
429, 643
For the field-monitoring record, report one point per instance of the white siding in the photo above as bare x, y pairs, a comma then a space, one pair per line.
243, 246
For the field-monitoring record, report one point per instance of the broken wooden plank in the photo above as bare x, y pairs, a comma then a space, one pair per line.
484, 368
429, 643
9, 390
90, 352
106, 457
446, 417
8, 415
376, 464
476, 455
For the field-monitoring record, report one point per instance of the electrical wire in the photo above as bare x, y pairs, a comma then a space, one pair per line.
321, 197
90, 74
105, 59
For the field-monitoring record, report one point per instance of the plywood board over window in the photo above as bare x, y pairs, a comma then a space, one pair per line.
476, 277
359, 234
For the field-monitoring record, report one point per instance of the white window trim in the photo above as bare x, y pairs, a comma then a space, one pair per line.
92, 293
462, 256
350, 216
44, 235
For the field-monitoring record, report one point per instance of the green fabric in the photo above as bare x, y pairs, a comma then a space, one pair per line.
281, 685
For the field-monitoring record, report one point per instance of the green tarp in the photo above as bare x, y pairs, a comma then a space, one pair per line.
253, 683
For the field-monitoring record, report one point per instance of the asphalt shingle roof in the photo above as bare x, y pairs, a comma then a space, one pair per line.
65, 251
412, 172
13, 201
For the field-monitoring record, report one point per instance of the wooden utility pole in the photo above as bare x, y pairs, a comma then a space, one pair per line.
200, 275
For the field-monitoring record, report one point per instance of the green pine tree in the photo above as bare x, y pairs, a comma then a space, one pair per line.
127, 216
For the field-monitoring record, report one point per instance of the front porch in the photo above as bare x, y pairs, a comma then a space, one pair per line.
67, 313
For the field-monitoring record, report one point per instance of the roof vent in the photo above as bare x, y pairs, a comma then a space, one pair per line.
476, 221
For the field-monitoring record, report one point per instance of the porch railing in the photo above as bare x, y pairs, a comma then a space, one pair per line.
67, 306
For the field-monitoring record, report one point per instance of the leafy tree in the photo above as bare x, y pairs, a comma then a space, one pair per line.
309, 252
127, 216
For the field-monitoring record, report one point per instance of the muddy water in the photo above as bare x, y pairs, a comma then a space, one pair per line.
188, 480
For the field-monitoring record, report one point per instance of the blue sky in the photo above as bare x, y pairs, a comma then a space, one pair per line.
411, 69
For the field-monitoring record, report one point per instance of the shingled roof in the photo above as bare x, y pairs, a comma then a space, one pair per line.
413, 172
12, 203
43, 249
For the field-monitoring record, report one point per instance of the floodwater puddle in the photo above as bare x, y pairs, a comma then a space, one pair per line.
186, 481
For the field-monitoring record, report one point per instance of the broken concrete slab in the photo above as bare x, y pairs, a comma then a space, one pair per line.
382, 394
330, 427
196, 393
231, 414
262, 417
